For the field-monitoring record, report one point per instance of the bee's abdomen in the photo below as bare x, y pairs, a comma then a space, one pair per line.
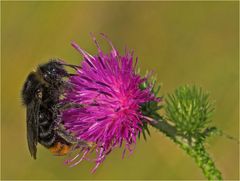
46, 134
48, 141
60, 149
46, 131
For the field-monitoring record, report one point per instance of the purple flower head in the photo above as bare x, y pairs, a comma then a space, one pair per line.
108, 89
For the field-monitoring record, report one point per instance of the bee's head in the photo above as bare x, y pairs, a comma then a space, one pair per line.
53, 71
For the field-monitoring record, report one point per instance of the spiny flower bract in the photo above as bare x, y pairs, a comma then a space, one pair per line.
108, 89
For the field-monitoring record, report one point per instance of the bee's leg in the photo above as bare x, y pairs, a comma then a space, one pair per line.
68, 105
59, 121
49, 142
75, 144
66, 135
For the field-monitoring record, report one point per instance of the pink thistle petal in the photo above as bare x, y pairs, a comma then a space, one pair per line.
108, 88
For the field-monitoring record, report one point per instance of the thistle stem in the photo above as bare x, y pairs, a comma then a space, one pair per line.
196, 151
203, 160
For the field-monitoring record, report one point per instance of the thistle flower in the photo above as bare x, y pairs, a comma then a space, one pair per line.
109, 91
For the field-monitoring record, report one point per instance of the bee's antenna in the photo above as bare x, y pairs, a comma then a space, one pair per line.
62, 62
72, 66
71, 75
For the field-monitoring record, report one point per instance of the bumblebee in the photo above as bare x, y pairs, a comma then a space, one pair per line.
41, 94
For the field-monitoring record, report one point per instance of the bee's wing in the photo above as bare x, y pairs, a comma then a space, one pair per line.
32, 127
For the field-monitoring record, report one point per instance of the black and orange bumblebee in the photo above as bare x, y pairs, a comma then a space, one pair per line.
41, 94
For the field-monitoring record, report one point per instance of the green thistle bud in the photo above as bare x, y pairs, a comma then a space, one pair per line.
189, 109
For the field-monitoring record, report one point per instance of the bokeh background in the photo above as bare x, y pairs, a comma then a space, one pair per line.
183, 42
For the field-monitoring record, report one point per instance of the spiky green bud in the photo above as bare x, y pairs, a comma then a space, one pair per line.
189, 109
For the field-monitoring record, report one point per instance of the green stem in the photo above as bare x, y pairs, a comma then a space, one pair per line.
202, 158
197, 151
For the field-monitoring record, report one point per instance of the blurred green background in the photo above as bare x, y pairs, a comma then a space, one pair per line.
183, 42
